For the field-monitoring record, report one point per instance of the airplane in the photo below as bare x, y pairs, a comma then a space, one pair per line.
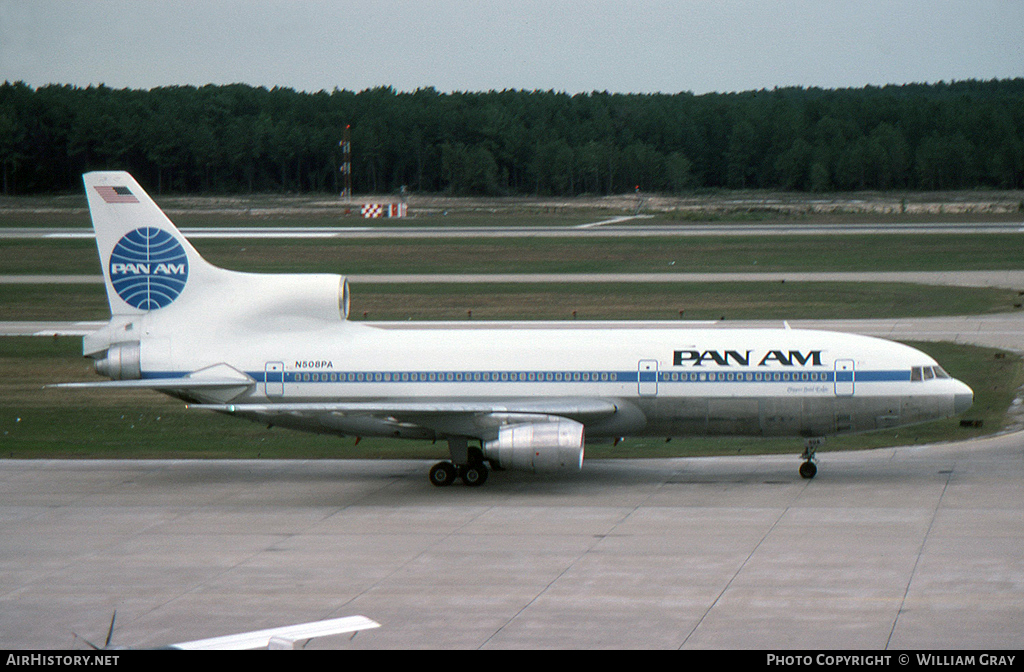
279, 349
275, 639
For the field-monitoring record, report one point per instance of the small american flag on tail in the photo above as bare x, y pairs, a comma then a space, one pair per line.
116, 195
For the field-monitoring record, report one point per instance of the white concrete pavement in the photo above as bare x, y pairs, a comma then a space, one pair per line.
905, 548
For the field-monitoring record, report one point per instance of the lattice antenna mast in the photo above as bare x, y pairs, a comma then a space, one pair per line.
346, 163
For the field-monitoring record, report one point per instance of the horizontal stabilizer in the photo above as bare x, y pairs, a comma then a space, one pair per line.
182, 383
288, 634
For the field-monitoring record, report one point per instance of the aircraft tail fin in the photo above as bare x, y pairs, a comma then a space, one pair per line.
146, 261
165, 298
151, 269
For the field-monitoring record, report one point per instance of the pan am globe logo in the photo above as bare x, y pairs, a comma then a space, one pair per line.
148, 268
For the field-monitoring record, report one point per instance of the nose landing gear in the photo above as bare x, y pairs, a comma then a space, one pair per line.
808, 469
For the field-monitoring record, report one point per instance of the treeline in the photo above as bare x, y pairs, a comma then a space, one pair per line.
238, 138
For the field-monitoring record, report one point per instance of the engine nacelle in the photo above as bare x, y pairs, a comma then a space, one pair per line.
121, 361
320, 296
538, 446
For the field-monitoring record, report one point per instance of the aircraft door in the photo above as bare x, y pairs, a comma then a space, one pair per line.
647, 379
844, 377
274, 377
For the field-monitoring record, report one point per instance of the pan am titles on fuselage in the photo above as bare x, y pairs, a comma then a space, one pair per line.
279, 349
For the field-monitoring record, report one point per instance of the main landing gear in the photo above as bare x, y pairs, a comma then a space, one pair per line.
467, 464
446, 473
808, 469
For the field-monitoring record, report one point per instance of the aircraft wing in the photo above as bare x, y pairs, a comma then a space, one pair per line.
569, 407
284, 637
478, 418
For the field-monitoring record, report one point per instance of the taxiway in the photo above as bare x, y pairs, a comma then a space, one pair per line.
906, 548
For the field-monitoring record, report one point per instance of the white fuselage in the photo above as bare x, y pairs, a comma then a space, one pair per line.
667, 379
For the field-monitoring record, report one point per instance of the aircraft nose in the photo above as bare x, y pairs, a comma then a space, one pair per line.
963, 398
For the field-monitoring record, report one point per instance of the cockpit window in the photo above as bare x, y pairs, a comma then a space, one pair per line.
919, 373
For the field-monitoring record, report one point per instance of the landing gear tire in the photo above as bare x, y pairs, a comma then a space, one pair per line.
473, 475
443, 473
811, 445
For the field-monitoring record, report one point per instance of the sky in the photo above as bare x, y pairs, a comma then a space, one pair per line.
621, 46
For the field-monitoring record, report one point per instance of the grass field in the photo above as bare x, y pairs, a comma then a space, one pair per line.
563, 255
583, 301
